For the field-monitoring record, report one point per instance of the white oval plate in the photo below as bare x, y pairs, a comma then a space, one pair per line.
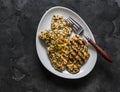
45, 23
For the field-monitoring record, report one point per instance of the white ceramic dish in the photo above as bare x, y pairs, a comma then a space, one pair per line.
41, 48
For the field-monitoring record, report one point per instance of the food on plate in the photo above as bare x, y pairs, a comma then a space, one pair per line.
65, 52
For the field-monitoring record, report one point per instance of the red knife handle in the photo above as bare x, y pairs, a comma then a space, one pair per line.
100, 50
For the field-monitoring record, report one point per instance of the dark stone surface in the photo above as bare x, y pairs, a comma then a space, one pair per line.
20, 68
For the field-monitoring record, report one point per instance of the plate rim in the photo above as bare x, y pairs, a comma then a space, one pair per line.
55, 7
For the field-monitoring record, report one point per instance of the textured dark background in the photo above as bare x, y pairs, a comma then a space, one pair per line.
20, 68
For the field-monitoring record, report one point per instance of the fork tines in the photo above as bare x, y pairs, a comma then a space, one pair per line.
75, 25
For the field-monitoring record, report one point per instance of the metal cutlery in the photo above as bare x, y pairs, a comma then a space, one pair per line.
77, 28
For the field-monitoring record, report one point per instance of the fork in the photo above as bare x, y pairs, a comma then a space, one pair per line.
77, 28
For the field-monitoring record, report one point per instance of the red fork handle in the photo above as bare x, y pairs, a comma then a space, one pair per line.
100, 50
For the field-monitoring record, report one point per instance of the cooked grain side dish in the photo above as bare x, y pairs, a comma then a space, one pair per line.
65, 53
